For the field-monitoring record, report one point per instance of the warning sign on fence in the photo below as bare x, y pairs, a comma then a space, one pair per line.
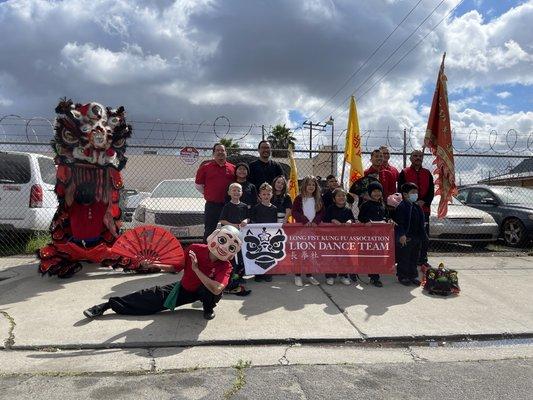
189, 155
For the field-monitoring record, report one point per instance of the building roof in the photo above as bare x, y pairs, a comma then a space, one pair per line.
508, 177
525, 166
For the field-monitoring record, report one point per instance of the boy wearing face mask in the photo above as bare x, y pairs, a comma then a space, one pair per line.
410, 234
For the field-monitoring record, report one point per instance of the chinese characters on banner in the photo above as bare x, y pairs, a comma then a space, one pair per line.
327, 248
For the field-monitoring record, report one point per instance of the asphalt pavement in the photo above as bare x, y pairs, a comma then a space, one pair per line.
42, 328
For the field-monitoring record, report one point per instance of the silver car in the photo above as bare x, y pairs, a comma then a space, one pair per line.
175, 205
462, 224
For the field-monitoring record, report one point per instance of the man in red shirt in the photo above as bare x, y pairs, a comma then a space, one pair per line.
385, 177
206, 273
422, 178
212, 180
386, 165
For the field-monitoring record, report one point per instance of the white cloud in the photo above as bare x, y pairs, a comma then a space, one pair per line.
503, 95
256, 61
498, 52
100, 65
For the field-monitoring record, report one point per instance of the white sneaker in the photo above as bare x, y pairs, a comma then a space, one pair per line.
313, 281
330, 281
298, 281
346, 281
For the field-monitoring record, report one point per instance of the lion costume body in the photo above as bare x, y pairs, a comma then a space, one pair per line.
89, 143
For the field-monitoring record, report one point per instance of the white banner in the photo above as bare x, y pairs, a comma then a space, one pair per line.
263, 246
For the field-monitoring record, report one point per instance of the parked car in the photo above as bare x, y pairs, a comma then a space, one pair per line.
462, 224
129, 201
27, 198
511, 207
175, 205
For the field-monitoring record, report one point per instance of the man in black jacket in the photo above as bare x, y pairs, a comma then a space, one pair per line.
264, 169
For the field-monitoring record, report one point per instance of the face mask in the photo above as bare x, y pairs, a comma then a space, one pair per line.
413, 197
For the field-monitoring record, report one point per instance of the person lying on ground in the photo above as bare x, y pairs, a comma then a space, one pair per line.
206, 273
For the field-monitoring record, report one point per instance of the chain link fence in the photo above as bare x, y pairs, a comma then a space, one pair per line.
493, 211
27, 176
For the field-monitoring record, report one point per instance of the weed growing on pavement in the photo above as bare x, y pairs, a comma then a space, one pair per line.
240, 379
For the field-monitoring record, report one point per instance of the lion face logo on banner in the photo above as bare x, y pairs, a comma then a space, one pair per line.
267, 248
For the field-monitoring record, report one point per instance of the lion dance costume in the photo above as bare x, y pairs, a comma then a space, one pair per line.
89, 142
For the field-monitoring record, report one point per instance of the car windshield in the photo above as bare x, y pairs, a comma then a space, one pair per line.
170, 189
514, 195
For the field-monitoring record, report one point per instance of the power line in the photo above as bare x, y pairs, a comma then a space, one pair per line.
392, 54
366, 61
415, 46
403, 57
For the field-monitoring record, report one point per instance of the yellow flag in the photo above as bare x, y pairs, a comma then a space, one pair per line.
293, 179
352, 149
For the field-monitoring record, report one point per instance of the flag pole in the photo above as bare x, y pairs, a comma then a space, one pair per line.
440, 71
343, 168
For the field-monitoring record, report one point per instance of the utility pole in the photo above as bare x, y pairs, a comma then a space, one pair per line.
262, 132
317, 127
331, 122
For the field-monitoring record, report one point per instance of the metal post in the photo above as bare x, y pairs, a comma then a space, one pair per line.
310, 139
332, 154
262, 132
404, 147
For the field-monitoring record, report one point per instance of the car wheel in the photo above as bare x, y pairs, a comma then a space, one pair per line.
514, 232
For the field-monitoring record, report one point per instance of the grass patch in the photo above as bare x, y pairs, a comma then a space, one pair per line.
240, 379
37, 241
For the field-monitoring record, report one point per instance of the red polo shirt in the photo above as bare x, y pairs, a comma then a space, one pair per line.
393, 171
386, 178
218, 270
215, 179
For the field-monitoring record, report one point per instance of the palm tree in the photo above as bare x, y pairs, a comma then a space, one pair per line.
281, 138
231, 148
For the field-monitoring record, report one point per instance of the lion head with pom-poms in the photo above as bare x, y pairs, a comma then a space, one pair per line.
91, 133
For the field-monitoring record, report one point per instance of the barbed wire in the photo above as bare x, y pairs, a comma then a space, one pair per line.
206, 133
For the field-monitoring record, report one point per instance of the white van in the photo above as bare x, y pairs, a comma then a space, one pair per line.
27, 198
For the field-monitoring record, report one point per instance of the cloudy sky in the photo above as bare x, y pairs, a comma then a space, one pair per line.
275, 61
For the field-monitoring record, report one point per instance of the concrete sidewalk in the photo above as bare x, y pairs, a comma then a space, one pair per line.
43, 312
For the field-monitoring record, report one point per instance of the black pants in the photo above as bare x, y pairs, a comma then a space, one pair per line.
423, 258
150, 301
407, 259
335, 275
211, 217
238, 271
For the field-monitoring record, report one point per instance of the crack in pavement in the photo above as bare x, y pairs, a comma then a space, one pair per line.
151, 363
283, 360
363, 335
10, 340
416, 357
300, 386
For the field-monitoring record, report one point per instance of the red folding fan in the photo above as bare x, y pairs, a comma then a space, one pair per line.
150, 243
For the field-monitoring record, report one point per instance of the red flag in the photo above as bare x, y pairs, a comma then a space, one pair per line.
439, 140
